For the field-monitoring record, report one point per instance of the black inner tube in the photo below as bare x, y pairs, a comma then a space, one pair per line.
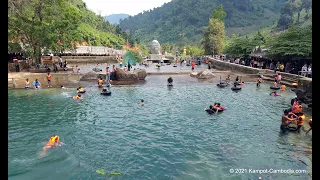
236, 88
271, 87
106, 93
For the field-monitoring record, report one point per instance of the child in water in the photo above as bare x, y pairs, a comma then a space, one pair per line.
141, 102
274, 93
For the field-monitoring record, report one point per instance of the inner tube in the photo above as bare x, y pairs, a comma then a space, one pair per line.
223, 85
174, 65
210, 111
188, 64
170, 85
220, 110
106, 93
235, 88
82, 92
276, 88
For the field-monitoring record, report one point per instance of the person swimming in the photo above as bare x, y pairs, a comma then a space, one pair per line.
53, 141
158, 65
275, 84
141, 102
62, 87
274, 93
286, 120
242, 83
228, 79
76, 97
170, 80
100, 82
218, 107
259, 81
283, 87
26, 84
80, 90
104, 90
300, 120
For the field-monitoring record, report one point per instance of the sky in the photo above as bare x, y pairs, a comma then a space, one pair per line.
131, 7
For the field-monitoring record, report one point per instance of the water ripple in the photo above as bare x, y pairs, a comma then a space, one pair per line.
170, 137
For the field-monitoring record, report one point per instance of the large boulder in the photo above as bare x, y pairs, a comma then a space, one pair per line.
304, 91
135, 75
206, 74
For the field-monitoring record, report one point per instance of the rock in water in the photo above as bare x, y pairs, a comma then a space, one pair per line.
97, 69
134, 75
206, 74
194, 74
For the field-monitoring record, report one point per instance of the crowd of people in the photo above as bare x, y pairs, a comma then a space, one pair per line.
293, 118
293, 67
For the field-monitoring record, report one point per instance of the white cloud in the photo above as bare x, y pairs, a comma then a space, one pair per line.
132, 7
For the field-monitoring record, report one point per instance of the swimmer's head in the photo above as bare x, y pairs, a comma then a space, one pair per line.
79, 95
210, 106
27, 79
142, 100
36, 80
286, 111
218, 104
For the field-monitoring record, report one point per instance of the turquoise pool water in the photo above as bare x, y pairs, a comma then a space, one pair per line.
171, 137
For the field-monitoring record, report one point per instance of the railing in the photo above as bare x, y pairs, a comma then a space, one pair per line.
304, 73
13, 82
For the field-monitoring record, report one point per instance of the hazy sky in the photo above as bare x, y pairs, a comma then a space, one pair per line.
131, 7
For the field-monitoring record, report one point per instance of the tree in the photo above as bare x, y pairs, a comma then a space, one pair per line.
296, 40
219, 13
42, 24
214, 33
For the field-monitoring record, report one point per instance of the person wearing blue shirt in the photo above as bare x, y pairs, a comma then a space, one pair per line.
36, 84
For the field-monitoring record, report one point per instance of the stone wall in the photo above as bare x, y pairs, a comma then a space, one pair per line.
89, 59
217, 64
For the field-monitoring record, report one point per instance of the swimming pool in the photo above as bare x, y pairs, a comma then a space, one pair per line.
170, 137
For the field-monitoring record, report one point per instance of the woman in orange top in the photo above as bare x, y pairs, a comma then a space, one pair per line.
49, 80
297, 108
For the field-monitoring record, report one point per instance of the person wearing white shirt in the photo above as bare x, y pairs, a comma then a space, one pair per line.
304, 69
309, 71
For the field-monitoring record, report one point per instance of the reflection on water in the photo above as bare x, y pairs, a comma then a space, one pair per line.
170, 137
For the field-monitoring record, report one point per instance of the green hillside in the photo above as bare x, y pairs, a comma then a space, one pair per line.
58, 25
183, 20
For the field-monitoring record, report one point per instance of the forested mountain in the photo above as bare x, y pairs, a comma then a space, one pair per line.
184, 20
115, 18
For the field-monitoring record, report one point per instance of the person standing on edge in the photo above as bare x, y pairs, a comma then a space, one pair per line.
60, 61
108, 74
193, 64
49, 80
